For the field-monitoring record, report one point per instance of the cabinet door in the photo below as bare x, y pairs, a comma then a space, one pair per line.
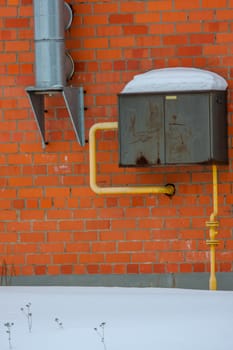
218, 123
187, 129
141, 130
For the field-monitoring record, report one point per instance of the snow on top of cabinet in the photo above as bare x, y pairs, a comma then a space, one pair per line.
176, 79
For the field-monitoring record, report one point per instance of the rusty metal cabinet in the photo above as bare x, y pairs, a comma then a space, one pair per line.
172, 128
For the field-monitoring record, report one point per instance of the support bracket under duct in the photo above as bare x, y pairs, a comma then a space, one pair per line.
74, 100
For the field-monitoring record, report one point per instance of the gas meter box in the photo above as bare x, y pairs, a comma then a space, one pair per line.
173, 116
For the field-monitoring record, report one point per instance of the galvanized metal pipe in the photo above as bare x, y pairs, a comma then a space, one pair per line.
49, 43
168, 189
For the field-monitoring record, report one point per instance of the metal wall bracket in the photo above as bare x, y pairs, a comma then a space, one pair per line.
74, 100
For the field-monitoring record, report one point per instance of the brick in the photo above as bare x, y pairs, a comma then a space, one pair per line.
5, 204
105, 8
85, 236
118, 258
163, 52
97, 224
130, 246
172, 268
7, 34
147, 223
15, 46
109, 30
19, 159
103, 247
78, 269
20, 181
121, 18
161, 28
40, 270
146, 268
32, 237
197, 256
159, 5
126, 41
38, 259
105, 269
25, 248
137, 212
147, 17
199, 15
188, 27
100, 43
30, 193
202, 38
45, 158
143, 257
59, 236
78, 247
148, 41
91, 258
57, 192
224, 14
183, 4
186, 268
199, 267
111, 235
135, 29
171, 257
132, 6
176, 16
7, 215
93, 269
159, 268
138, 235
17, 23
70, 225
225, 267
32, 214
214, 3
175, 39
95, 19
64, 258
157, 245
132, 268
8, 237
224, 38
66, 269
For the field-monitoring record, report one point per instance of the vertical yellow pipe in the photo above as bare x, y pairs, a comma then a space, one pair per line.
213, 224
215, 189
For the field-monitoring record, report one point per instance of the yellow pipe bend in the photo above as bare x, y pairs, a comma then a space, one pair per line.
167, 189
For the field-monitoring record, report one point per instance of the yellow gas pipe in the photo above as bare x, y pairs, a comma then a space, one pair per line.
167, 189
213, 224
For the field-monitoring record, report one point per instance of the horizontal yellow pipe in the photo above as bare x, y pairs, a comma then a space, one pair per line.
168, 189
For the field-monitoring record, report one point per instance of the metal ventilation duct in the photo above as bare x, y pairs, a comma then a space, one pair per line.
53, 65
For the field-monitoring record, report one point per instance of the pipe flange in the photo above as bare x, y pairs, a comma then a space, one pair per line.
172, 190
212, 223
212, 242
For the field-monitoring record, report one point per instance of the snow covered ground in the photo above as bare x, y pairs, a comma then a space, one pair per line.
136, 318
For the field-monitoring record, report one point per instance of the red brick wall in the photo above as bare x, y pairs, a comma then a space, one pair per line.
51, 222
